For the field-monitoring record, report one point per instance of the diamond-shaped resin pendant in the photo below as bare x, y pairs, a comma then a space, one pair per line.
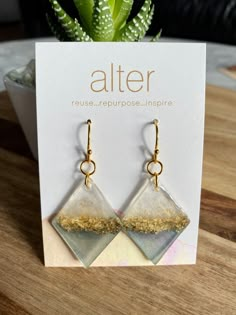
87, 222
153, 220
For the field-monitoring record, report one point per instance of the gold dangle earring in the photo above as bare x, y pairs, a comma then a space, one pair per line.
87, 223
152, 219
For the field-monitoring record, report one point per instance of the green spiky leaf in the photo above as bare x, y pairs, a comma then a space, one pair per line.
57, 30
121, 12
102, 21
156, 37
138, 26
71, 27
80, 34
85, 10
111, 4
63, 18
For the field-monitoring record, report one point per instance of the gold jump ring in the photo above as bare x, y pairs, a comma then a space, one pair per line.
88, 162
154, 173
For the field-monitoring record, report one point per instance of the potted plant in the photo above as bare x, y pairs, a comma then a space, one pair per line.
97, 20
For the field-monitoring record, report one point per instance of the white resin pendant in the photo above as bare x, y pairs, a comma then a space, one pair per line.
87, 223
153, 220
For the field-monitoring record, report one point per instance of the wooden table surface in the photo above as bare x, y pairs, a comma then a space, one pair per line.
27, 287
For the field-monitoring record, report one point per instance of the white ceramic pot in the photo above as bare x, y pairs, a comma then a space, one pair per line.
23, 99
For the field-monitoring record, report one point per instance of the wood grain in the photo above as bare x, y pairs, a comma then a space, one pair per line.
27, 287
218, 215
6, 109
207, 288
14, 140
220, 142
8, 306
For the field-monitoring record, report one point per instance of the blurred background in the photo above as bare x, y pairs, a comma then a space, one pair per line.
205, 20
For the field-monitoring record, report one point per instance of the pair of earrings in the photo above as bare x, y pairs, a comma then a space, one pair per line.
87, 222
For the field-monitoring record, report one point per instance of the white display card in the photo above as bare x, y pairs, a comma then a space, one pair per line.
122, 88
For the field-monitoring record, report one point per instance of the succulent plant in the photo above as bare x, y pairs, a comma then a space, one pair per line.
101, 20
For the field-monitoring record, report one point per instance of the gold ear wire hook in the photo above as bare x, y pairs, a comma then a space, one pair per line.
156, 143
88, 159
154, 159
89, 151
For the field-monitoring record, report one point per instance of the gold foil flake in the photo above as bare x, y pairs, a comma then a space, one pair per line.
175, 222
89, 224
